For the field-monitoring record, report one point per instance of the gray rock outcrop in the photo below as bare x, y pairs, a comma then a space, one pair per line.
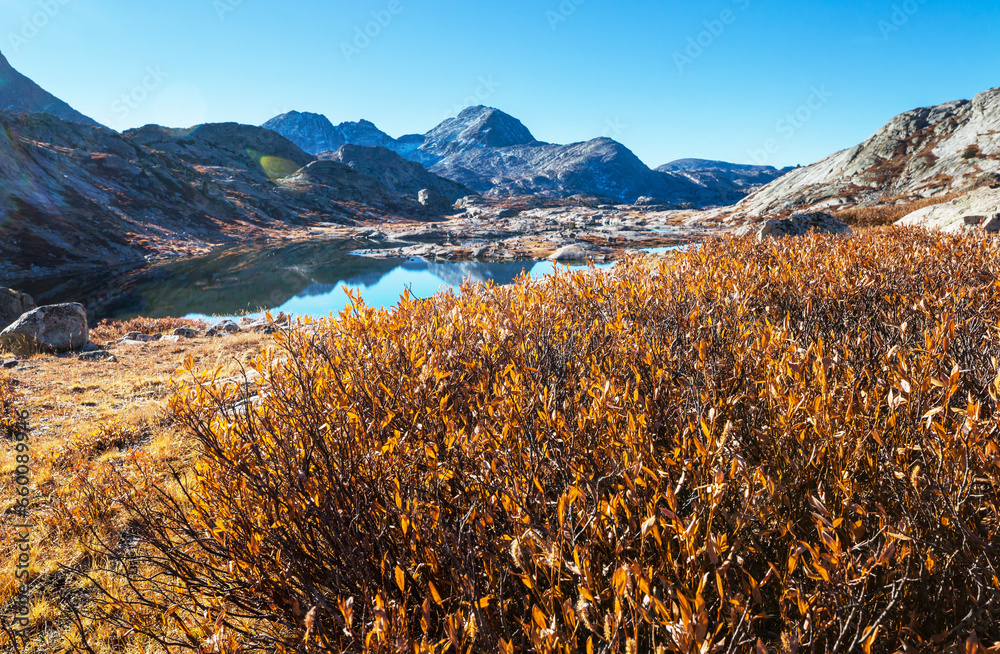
798, 225
920, 153
976, 210
13, 304
433, 200
230, 326
57, 327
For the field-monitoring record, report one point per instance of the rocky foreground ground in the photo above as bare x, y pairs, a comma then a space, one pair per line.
533, 228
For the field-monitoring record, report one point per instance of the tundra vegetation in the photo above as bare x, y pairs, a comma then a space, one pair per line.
785, 446
889, 212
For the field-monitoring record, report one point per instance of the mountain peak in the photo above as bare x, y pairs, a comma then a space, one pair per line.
479, 110
299, 118
364, 132
302, 116
479, 127
314, 133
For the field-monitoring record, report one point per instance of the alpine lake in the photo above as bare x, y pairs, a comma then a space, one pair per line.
300, 279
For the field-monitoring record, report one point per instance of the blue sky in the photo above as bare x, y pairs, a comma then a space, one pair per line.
717, 79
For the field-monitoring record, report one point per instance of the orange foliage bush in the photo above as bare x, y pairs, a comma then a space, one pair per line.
9, 418
883, 215
758, 447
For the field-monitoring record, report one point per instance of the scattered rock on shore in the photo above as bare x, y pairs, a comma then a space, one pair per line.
578, 252
227, 326
98, 355
139, 336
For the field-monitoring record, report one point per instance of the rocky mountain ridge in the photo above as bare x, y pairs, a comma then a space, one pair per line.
921, 153
475, 128
493, 153
18, 94
78, 195
400, 176
742, 176
314, 133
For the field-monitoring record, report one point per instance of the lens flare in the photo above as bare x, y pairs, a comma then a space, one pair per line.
274, 167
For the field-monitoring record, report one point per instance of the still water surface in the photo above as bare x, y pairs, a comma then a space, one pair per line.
303, 279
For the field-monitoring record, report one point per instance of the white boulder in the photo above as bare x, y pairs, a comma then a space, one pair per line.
979, 209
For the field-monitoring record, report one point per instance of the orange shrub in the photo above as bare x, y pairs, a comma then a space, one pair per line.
9, 418
883, 215
757, 447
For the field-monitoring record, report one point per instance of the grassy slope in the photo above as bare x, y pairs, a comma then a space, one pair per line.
86, 419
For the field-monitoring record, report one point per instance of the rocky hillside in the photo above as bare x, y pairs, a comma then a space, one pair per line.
602, 168
493, 153
18, 94
918, 154
229, 146
78, 195
400, 176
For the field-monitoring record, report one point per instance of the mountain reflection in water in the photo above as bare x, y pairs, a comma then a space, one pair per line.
305, 279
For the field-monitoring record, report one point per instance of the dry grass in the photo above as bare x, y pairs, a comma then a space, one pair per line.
109, 330
88, 419
883, 215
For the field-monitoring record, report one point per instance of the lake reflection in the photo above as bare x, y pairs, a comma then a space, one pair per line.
304, 279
